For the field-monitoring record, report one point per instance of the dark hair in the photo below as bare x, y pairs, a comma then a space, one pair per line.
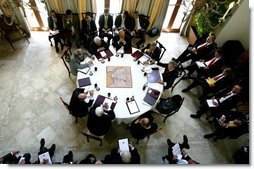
213, 35
136, 12
68, 12
177, 99
219, 51
126, 13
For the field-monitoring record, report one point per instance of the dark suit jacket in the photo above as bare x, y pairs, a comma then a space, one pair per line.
155, 54
59, 23
168, 77
85, 30
144, 23
139, 132
79, 108
127, 45
102, 21
99, 125
93, 47
128, 22
215, 69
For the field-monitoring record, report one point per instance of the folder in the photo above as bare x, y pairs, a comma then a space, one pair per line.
153, 77
137, 54
123, 144
151, 96
100, 100
132, 107
84, 82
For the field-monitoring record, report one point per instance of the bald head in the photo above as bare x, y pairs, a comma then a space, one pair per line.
121, 33
97, 40
82, 96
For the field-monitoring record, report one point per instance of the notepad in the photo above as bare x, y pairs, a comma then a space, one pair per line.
200, 64
143, 59
103, 54
109, 101
211, 104
121, 50
45, 157
132, 107
177, 151
211, 81
123, 144
84, 82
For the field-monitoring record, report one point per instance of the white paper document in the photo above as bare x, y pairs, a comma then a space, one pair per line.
45, 157
200, 64
210, 102
177, 151
133, 107
109, 101
54, 32
123, 144
144, 58
120, 51
103, 54
84, 70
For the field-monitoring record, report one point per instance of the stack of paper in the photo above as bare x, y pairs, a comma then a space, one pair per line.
124, 144
45, 158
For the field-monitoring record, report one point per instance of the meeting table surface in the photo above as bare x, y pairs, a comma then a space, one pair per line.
121, 81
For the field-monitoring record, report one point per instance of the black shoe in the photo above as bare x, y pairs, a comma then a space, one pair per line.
163, 158
138, 45
42, 142
185, 142
195, 116
208, 135
169, 142
57, 49
185, 90
70, 154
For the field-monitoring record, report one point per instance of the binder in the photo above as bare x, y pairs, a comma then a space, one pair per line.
100, 100
84, 82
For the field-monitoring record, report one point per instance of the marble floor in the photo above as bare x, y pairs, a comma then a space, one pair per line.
33, 78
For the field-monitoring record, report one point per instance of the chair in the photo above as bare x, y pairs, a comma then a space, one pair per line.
66, 59
92, 136
12, 33
163, 49
181, 75
165, 116
148, 136
67, 106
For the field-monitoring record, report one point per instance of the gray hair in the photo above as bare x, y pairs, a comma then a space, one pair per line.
125, 156
97, 39
173, 63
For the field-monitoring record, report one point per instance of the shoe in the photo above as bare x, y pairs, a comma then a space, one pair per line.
195, 116
42, 142
185, 142
163, 158
138, 46
70, 155
208, 135
185, 90
169, 142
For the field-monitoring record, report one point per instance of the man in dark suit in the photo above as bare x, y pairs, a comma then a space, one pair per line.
170, 73
97, 45
198, 50
152, 50
9, 158
89, 30
207, 68
140, 25
221, 81
78, 105
122, 40
99, 119
55, 23
71, 28
124, 21
106, 23
223, 102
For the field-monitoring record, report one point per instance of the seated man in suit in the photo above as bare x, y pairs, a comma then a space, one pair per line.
44, 149
97, 45
124, 21
55, 23
89, 30
9, 158
123, 157
152, 50
172, 159
78, 105
170, 73
106, 23
78, 56
207, 68
222, 102
229, 124
214, 84
71, 29
99, 119
198, 51
122, 40
143, 126
140, 25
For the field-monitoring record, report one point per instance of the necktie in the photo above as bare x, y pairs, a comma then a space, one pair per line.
136, 24
106, 22
212, 62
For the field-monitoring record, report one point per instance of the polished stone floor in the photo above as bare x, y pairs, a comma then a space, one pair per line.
33, 78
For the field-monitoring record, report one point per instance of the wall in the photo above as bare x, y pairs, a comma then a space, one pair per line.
237, 27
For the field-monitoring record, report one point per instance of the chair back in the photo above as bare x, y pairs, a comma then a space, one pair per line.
89, 135
66, 59
181, 74
163, 49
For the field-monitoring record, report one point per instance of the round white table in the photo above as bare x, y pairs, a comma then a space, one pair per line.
138, 80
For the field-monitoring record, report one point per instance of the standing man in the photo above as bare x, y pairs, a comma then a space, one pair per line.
89, 30
56, 26
140, 25
106, 23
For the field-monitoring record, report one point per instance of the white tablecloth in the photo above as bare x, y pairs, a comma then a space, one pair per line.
138, 80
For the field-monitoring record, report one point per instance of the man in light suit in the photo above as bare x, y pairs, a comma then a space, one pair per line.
106, 23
